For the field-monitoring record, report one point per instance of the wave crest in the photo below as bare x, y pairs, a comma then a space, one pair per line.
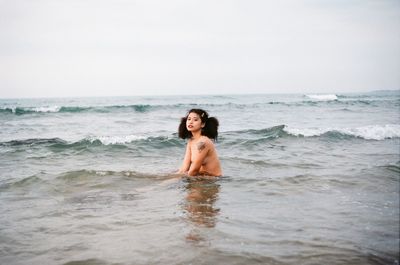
95, 141
29, 110
372, 132
75, 109
322, 97
112, 140
247, 137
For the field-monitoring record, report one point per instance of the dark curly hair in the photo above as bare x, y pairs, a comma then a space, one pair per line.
210, 128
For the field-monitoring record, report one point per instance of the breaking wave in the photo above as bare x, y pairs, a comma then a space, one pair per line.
75, 109
251, 136
95, 141
322, 97
371, 132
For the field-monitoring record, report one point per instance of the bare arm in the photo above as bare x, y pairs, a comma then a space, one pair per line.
186, 161
199, 155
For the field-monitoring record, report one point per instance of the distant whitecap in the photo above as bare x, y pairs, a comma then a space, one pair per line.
107, 140
322, 97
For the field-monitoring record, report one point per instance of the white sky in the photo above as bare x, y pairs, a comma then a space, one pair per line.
118, 47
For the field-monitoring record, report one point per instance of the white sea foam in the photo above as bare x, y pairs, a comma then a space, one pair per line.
47, 109
12, 108
32, 109
107, 140
322, 97
371, 132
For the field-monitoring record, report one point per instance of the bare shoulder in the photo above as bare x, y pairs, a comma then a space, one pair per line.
207, 140
204, 143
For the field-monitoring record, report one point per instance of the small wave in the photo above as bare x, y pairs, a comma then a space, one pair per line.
30, 110
84, 174
75, 109
273, 132
57, 144
23, 183
107, 109
251, 137
322, 97
393, 167
33, 141
27, 181
82, 177
372, 132
112, 140
157, 141
137, 108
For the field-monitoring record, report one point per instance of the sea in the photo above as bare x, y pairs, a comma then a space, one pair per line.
307, 179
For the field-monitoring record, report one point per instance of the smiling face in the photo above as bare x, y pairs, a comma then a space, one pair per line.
193, 122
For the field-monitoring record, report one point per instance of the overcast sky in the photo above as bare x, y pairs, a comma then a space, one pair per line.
118, 47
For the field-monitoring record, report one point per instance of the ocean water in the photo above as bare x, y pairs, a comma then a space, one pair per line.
308, 179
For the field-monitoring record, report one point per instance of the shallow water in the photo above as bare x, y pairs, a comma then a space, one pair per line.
306, 181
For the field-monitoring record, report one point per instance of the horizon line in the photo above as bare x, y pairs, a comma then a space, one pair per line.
205, 94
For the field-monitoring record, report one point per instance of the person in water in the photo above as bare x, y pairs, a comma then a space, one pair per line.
201, 157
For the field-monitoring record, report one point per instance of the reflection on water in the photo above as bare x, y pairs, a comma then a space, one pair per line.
199, 205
